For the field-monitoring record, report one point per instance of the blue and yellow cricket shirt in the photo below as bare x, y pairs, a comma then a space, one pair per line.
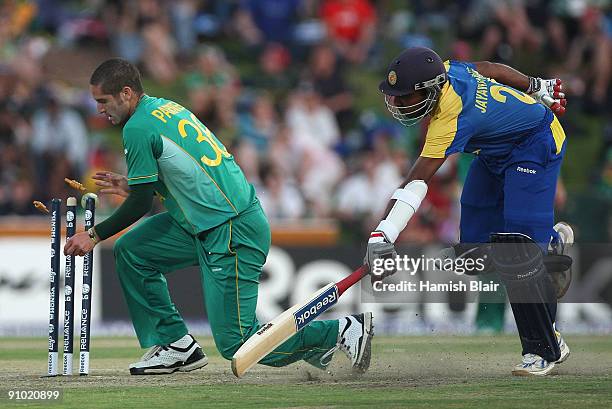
477, 115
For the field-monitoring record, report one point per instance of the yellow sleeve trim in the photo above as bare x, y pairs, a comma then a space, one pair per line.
443, 126
432, 155
143, 177
558, 134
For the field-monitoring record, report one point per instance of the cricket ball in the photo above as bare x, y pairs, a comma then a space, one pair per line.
87, 196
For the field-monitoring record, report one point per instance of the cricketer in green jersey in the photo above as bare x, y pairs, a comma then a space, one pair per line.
213, 219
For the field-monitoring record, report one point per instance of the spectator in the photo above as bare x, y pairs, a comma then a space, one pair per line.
15, 18
351, 26
212, 86
319, 173
59, 144
142, 33
226, 126
590, 56
213, 17
125, 37
183, 15
15, 166
246, 156
503, 28
159, 45
330, 83
362, 197
314, 132
283, 154
280, 199
260, 124
264, 21
311, 123
22, 195
274, 75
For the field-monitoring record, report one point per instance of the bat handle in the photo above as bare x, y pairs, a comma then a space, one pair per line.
351, 279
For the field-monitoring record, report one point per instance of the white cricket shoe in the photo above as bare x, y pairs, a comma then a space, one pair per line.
355, 334
183, 355
565, 351
533, 365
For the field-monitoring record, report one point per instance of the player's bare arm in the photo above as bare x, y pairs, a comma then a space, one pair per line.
546, 91
423, 169
503, 73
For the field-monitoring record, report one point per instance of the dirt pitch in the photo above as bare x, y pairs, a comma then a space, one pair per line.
412, 371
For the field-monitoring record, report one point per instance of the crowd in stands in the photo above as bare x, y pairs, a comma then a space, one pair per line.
289, 86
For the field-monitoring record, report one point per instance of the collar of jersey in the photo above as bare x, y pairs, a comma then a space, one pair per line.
443, 93
141, 101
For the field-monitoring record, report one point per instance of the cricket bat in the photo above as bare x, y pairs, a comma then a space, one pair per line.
281, 328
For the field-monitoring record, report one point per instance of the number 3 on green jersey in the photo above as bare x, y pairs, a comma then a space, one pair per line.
203, 134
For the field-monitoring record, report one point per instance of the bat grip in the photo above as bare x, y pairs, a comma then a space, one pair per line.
351, 279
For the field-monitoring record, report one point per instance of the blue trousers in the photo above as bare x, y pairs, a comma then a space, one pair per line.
518, 197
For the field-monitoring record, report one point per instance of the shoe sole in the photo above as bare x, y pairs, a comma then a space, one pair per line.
362, 364
194, 365
202, 362
525, 372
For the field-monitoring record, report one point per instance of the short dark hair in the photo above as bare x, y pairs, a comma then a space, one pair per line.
116, 73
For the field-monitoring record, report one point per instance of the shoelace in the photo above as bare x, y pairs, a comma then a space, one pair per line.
151, 352
339, 346
163, 348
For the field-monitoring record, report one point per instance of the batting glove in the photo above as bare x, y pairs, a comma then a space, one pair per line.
549, 93
379, 249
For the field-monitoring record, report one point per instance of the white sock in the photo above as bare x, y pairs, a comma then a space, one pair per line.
183, 342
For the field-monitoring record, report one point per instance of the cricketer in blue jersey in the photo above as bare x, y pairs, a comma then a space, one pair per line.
508, 121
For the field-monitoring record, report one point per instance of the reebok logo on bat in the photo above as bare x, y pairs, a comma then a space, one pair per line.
264, 328
314, 308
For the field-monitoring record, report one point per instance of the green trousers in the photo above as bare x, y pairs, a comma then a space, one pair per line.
491, 308
230, 258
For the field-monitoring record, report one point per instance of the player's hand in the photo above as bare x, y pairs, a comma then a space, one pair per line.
79, 244
112, 183
379, 249
548, 92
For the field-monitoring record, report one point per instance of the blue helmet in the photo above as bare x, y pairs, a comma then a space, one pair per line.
415, 69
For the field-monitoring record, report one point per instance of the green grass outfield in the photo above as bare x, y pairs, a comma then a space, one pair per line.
406, 372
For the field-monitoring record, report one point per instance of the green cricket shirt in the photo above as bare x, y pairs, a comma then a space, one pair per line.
195, 176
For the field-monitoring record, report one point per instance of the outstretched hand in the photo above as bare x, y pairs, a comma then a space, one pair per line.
548, 92
112, 183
